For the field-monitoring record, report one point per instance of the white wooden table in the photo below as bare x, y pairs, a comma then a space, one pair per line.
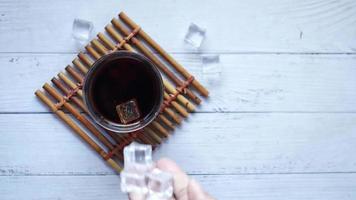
281, 124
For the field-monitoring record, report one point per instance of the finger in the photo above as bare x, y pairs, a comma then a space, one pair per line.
180, 178
196, 192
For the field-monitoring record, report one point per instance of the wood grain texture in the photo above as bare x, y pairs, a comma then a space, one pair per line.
280, 124
257, 83
233, 26
260, 187
241, 143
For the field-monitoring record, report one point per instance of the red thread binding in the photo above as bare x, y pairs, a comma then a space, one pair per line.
132, 34
125, 141
127, 38
181, 89
66, 98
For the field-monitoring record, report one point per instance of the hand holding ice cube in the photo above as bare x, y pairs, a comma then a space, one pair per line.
140, 177
162, 179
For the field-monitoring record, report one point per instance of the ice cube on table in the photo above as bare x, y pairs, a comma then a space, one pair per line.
195, 36
211, 68
159, 185
82, 30
138, 157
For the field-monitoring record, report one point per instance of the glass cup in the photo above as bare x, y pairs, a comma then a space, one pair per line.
123, 91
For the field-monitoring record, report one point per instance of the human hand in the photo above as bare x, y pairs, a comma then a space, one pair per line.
184, 188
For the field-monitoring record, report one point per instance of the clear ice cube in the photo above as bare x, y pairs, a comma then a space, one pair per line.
128, 111
138, 157
132, 181
195, 36
137, 163
159, 185
211, 68
82, 30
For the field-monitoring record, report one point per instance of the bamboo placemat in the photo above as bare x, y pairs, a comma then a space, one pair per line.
65, 92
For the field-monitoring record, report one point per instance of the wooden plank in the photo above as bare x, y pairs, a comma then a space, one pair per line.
291, 138
249, 83
223, 187
245, 26
220, 143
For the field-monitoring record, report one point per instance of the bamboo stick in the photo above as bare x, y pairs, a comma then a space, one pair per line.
166, 121
180, 98
148, 139
142, 138
153, 135
77, 130
98, 46
85, 59
127, 139
158, 63
121, 138
78, 77
91, 50
128, 47
115, 136
112, 32
160, 128
66, 91
69, 82
176, 105
176, 118
82, 118
106, 41
80, 65
150, 131
184, 101
202, 90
